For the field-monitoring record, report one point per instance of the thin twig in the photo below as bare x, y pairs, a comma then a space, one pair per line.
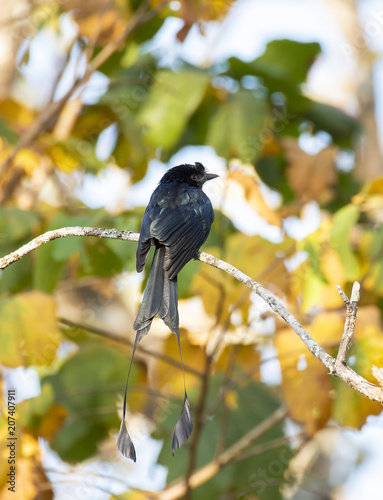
259, 449
198, 427
349, 325
125, 341
178, 488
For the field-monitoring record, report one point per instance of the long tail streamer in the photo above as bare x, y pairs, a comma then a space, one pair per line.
184, 425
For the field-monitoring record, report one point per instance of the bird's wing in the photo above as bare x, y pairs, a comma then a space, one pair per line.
145, 241
182, 230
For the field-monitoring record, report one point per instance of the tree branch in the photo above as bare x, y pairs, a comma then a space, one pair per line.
339, 370
66, 232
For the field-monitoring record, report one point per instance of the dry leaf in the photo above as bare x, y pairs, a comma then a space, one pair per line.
100, 19
197, 11
311, 177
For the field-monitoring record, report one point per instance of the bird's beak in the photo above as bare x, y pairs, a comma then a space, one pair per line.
209, 177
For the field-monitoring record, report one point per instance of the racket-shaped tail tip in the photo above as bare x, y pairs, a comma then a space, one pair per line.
125, 444
184, 426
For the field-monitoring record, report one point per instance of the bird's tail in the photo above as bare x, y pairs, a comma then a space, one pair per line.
160, 299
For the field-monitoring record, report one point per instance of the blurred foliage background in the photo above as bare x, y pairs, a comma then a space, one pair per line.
112, 107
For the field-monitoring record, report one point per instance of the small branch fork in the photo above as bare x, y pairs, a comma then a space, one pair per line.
336, 366
349, 325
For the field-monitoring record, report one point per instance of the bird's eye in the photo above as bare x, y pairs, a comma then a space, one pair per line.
194, 177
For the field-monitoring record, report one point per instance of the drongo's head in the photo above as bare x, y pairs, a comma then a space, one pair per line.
193, 175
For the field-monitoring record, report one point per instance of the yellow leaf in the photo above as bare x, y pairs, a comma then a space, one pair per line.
305, 381
29, 446
109, 25
204, 10
170, 377
52, 421
231, 400
261, 260
201, 10
245, 357
208, 285
351, 407
25, 488
318, 294
63, 159
16, 114
100, 19
29, 332
258, 258
314, 281
29, 471
376, 186
373, 203
332, 267
27, 159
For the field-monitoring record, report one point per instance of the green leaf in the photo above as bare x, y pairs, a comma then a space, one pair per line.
92, 255
18, 276
236, 126
7, 133
131, 151
271, 169
334, 121
185, 278
29, 333
46, 271
74, 152
64, 248
88, 385
282, 69
51, 258
251, 405
16, 228
89, 125
84, 151
288, 59
283, 61
171, 101
352, 408
125, 251
343, 223
311, 245
16, 224
145, 31
101, 260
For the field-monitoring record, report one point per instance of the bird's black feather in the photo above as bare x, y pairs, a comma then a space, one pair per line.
177, 222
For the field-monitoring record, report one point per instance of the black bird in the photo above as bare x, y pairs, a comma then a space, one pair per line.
176, 222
